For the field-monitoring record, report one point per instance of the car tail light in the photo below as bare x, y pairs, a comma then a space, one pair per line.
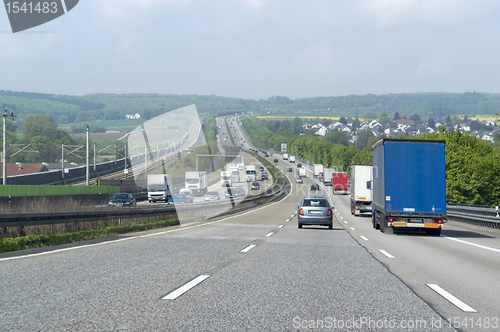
301, 212
328, 212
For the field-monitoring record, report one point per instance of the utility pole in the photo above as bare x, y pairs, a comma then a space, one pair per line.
4, 159
146, 160
126, 163
4, 155
95, 169
62, 162
115, 156
87, 159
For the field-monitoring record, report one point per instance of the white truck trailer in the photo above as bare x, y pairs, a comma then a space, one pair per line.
328, 176
317, 169
159, 187
292, 159
301, 172
251, 173
197, 182
361, 189
235, 174
225, 179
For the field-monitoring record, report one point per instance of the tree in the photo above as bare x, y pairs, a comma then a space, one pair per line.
40, 125
448, 119
296, 126
363, 138
431, 123
396, 116
356, 123
416, 119
466, 119
343, 120
475, 125
384, 118
338, 137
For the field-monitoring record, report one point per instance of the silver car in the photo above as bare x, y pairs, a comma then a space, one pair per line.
189, 194
212, 196
315, 210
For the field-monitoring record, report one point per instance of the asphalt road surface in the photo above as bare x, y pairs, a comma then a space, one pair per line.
258, 272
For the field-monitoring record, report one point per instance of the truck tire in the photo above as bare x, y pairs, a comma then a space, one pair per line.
384, 228
374, 220
434, 232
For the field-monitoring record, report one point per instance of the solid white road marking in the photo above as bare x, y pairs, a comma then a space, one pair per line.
364, 238
143, 236
471, 244
247, 249
281, 226
451, 298
353, 228
386, 253
269, 234
181, 290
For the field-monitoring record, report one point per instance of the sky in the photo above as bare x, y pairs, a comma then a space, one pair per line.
255, 49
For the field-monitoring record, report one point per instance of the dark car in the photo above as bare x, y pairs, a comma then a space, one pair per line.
275, 160
266, 155
261, 169
315, 210
314, 186
264, 176
289, 169
255, 186
299, 165
122, 200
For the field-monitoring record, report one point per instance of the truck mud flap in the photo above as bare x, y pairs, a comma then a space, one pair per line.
384, 228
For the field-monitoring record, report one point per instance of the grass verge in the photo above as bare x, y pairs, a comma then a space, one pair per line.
35, 241
229, 132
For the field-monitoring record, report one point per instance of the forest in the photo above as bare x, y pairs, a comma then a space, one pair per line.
472, 165
65, 109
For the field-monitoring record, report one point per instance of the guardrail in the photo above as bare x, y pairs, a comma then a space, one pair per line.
123, 216
477, 215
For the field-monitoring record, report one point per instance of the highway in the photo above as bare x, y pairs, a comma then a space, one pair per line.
257, 271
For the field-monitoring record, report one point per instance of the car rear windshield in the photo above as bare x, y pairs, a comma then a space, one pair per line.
315, 202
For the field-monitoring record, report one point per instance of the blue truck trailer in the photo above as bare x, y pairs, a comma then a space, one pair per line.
409, 185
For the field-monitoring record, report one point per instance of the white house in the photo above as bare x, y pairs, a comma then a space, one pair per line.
134, 116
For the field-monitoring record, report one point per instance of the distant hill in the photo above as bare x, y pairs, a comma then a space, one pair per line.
66, 109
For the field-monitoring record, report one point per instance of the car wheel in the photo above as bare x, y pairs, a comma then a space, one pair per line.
300, 225
330, 226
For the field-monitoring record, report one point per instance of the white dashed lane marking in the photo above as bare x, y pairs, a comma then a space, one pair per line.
451, 298
386, 253
181, 290
247, 249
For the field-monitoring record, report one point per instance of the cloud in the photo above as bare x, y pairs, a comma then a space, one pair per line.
432, 69
388, 13
254, 4
315, 55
